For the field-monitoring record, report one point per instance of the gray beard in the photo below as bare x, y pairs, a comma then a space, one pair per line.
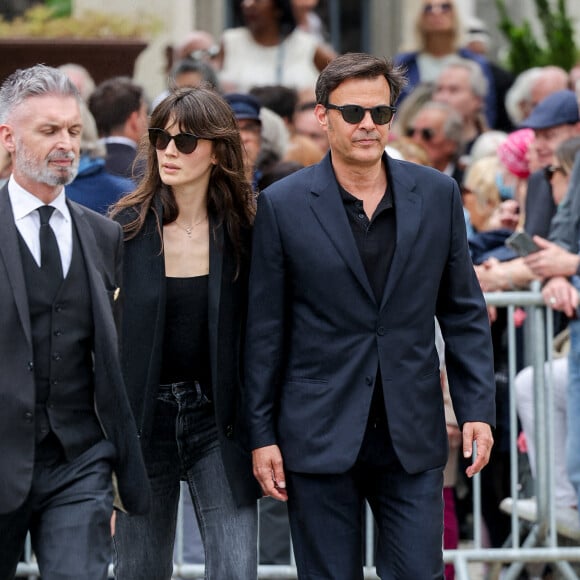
42, 173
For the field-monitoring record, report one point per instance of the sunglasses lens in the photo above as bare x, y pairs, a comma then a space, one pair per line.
352, 113
159, 138
426, 133
381, 115
185, 143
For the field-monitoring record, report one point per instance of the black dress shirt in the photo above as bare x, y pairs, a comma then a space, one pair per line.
375, 239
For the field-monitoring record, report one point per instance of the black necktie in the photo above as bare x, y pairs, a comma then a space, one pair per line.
49, 253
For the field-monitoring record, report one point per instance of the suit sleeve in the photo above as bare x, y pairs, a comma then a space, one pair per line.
264, 359
462, 314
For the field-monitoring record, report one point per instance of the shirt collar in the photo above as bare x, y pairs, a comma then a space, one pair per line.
24, 203
120, 140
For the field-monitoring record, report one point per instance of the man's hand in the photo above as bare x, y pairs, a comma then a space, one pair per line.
552, 260
269, 471
560, 295
481, 434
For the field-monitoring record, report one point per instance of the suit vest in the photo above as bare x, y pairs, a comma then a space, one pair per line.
62, 340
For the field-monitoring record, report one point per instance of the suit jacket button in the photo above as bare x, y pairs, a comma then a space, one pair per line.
369, 381
229, 431
30, 365
381, 330
28, 417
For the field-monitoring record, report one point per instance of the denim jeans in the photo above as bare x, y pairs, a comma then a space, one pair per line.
572, 447
184, 446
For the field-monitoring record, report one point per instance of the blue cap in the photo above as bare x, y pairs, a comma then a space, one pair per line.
560, 108
244, 106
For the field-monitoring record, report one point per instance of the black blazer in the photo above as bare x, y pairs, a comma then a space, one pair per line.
101, 244
142, 339
316, 335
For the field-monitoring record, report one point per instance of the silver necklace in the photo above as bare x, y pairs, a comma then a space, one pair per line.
189, 229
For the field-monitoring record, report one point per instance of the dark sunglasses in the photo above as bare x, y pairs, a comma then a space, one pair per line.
353, 114
430, 8
426, 133
184, 142
551, 169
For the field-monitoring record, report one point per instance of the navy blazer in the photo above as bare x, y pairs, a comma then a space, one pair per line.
101, 243
142, 340
316, 335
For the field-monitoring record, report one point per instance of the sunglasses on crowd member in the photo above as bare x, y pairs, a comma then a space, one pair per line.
184, 142
551, 169
426, 133
353, 114
444, 7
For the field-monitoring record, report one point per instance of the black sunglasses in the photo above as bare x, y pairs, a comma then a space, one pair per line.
426, 133
184, 142
430, 8
353, 114
551, 169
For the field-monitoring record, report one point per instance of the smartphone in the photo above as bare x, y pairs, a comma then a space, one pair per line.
522, 243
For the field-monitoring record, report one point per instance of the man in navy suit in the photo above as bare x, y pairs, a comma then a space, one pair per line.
353, 259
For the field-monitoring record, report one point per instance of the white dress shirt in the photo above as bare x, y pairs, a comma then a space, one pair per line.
24, 206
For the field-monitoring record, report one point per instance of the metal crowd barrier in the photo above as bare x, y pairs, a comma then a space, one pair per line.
541, 544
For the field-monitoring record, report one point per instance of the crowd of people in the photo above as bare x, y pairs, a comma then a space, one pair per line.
281, 299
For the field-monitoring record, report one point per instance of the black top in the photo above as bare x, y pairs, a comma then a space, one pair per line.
186, 338
375, 238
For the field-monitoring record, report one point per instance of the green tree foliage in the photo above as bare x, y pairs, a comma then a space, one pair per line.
59, 8
558, 46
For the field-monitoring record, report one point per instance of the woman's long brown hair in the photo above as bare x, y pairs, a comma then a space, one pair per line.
230, 200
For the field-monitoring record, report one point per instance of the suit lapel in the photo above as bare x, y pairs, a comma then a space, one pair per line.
216, 265
10, 254
91, 253
326, 203
408, 218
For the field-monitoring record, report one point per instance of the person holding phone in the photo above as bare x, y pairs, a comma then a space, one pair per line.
558, 264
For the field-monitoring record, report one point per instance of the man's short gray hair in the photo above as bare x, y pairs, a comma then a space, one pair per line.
35, 81
477, 80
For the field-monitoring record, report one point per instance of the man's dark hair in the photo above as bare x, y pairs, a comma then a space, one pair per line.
280, 99
358, 65
112, 103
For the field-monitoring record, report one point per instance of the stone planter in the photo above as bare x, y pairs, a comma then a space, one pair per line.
103, 58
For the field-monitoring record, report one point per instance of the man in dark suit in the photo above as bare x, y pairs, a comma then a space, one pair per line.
120, 111
66, 430
353, 259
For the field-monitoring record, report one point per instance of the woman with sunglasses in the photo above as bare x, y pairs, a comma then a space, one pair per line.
187, 230
438, 33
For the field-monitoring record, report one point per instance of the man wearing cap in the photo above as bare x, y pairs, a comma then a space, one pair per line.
554, 120
246, 108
